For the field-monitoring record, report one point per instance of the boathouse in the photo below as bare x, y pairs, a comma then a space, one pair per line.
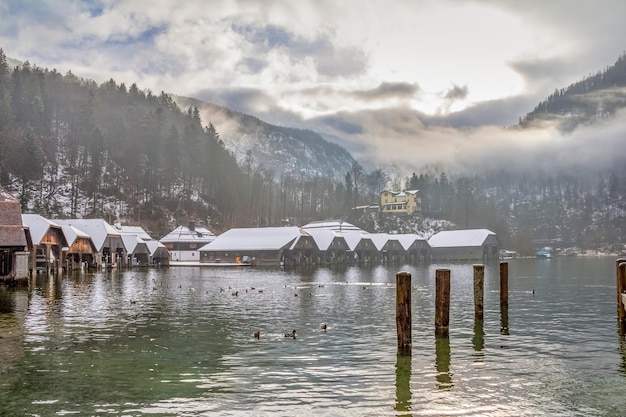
157, 253
48, 241
263, 246
108, 241
360, 245
379, 240
415, 247
184, 242
137, 250
80, 247
462, 245
13, 243
303, 251
332, 246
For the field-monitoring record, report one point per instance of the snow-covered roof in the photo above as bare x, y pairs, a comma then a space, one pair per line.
72, 234
407, 239
354, 238
132, 230
336, 225
261, 238
189, 235
379, 240
98, 229
38, 226
154, 246
323, 238
400, 193
11, 223
134, 244
303, 234
460, 238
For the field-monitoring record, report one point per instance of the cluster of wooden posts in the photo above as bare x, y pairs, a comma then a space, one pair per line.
621, 293
442, 302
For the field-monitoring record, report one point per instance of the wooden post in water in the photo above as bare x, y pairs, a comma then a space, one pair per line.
504, 283
442, 303
403, 312
479, 290
621, 288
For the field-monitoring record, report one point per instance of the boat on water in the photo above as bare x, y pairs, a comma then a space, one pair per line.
543, 254
507, 254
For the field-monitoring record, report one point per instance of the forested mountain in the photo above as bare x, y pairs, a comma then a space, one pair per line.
72, 148
595, 97
285, 150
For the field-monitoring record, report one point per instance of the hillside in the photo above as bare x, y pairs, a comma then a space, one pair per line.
282, 149
72, 148
594, 98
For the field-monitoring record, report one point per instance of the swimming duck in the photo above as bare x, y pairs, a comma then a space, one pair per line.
257, 335
291, 334
323, 327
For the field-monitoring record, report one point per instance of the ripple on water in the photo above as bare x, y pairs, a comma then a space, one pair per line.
164, 349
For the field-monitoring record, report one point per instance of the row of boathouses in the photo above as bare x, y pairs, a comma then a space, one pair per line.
342, 243
30, 242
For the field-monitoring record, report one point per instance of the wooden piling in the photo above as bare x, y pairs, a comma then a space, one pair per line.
504, 283
442, 302
479, 290
621, 288
504, 319
403, 312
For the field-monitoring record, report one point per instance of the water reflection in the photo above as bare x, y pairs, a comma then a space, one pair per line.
7, 303
622, 345
478, 340
442, 362
403, 388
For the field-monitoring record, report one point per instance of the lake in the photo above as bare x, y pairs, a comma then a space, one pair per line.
179, 342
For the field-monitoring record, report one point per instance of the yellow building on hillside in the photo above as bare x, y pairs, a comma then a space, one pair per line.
403, 202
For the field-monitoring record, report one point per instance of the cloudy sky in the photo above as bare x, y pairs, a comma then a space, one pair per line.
413, 82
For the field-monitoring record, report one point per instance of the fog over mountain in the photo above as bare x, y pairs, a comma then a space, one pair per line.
283, 150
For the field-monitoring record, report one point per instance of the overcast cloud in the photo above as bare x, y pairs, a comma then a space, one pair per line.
410, 83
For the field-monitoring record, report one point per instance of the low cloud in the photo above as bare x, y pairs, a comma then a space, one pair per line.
387, 90
399, 137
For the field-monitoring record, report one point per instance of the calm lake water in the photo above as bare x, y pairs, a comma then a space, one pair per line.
178, 342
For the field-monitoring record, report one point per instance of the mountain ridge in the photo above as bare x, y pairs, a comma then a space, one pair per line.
285, 150
595, 97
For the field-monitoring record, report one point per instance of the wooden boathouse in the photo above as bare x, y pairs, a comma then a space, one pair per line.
13, 243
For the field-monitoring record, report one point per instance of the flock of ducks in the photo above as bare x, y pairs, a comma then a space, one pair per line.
256, 334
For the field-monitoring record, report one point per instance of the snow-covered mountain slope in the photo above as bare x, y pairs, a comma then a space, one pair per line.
282, 149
